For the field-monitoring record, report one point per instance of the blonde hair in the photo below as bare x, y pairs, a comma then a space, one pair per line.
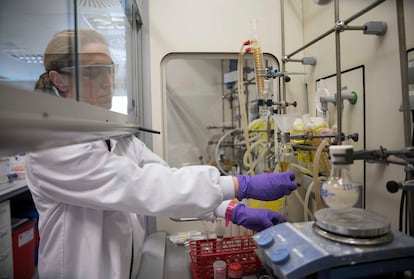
61, 52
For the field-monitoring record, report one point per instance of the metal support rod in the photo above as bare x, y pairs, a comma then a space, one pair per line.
363, 11
346, 21
406, 104
293, 60
338, 76
223, 108
311, 42
346, 27
312, 136
282, 95
404, 73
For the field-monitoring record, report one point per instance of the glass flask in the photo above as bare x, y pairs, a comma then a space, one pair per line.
339, 191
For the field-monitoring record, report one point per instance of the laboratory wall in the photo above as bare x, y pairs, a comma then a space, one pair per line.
195, 26
379, 58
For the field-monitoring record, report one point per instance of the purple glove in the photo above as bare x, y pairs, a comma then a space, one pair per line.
254, 218
266, 186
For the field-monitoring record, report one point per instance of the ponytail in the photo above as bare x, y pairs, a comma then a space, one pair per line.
44, 84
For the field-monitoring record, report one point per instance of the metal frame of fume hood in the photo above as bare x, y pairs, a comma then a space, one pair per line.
31, 121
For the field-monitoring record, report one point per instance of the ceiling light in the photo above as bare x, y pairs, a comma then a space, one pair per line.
24, 57
105, 21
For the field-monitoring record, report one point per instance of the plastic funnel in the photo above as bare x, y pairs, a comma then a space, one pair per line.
285, 121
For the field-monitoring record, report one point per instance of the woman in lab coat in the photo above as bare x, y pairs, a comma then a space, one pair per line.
92, 197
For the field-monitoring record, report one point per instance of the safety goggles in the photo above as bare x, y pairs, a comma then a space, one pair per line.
92, 72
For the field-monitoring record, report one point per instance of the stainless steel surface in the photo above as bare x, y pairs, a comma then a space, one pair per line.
153, 257
352, 222
373, 241
177, 262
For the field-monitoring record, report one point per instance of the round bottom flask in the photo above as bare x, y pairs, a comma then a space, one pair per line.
339, 191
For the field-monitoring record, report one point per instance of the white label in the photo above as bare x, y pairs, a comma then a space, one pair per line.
25, 237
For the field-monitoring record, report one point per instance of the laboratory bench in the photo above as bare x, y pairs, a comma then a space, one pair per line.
12, 189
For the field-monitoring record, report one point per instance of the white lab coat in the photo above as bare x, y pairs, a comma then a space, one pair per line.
91, 204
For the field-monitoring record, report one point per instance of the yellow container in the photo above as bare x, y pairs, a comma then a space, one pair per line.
272, 205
